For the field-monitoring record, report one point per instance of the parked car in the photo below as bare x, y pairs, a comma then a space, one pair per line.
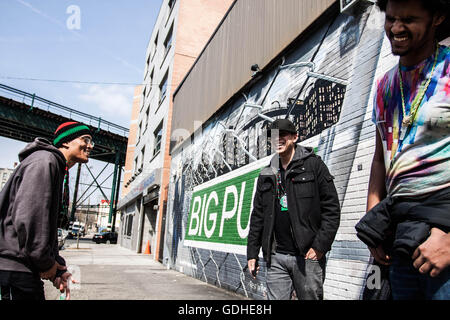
77, 228
61, 238
105, 237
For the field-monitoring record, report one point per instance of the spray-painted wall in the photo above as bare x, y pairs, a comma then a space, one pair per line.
332, 108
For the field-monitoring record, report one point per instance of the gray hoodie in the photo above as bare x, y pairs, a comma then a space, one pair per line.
29, 206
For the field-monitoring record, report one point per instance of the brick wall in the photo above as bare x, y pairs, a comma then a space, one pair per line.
137, 101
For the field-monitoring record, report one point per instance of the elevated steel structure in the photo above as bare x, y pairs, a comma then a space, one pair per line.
25, 116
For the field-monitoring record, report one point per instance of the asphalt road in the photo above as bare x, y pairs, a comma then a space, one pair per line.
111, 272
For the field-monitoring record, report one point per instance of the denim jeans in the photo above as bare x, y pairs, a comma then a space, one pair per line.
407, 283
288, 272
21, 286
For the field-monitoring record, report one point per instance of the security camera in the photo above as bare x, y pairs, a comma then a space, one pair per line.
254, 67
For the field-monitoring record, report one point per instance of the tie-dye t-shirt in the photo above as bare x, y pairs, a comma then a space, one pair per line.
420, 163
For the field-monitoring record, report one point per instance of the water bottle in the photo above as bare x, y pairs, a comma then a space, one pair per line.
63, 295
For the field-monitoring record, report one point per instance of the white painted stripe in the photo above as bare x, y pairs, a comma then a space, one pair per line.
235, 173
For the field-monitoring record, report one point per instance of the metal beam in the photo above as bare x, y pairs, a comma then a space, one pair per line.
21, 122
113, 193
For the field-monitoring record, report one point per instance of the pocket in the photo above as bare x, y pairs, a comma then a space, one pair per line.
304, 185
266, 187
315, 267
266, 195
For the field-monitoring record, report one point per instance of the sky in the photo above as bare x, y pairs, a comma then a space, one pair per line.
102, 42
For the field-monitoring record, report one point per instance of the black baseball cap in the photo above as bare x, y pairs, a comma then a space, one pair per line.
284, 125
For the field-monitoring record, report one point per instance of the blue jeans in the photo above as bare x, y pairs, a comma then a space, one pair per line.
21, 286
407, 283
288, 272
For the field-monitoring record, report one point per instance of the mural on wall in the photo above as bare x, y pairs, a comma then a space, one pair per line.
213, 178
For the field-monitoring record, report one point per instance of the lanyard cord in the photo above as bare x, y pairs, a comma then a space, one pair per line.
280, 189
409, 119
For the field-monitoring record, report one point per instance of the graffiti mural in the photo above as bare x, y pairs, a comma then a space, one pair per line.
318, 87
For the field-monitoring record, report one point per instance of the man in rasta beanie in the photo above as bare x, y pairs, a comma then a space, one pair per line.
30, 204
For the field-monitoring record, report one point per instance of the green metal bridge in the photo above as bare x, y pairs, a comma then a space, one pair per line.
25, 116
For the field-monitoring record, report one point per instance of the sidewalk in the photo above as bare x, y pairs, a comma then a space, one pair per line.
110, 272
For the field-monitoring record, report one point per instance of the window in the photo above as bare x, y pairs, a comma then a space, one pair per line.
155, 45
158, 137
129, 225
163, 88
144, 92
171, 5
139, 131
142, 157
151, 79
147, 118
148, 62
168, 41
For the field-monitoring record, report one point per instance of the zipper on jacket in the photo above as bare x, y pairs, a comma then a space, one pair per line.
289, 187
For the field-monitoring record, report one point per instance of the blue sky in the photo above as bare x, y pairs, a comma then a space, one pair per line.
109, 47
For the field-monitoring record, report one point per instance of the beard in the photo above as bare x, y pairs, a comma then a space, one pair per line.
413, 46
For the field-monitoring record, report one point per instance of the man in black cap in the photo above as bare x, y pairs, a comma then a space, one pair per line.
30, 205
295, 218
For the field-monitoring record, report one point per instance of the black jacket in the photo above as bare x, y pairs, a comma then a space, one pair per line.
409, 222
30, 204
313, 202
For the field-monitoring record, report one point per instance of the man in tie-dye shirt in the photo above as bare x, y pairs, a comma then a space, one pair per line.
412, 154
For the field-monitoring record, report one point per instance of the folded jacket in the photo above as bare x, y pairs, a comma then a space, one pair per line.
411, 220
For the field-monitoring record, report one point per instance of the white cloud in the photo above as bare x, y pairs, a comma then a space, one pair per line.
113, 100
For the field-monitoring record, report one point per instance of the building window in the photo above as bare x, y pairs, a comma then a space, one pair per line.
147, 118
151, 80
142, 157
168, 41
163, 88
129, 225
171, 5
155, 46
144, 94
139, 131
158, 137
148, 63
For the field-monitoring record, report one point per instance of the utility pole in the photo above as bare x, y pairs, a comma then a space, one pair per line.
75, 194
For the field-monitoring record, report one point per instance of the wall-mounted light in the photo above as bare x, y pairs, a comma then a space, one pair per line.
255, 69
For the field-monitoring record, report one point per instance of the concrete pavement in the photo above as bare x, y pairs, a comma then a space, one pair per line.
110, 272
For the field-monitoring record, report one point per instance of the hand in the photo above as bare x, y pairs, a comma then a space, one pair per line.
434, 254
313, 254
380, 256
62, 283
50, 274
253, 267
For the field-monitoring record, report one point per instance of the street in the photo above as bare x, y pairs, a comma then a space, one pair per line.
110, 272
